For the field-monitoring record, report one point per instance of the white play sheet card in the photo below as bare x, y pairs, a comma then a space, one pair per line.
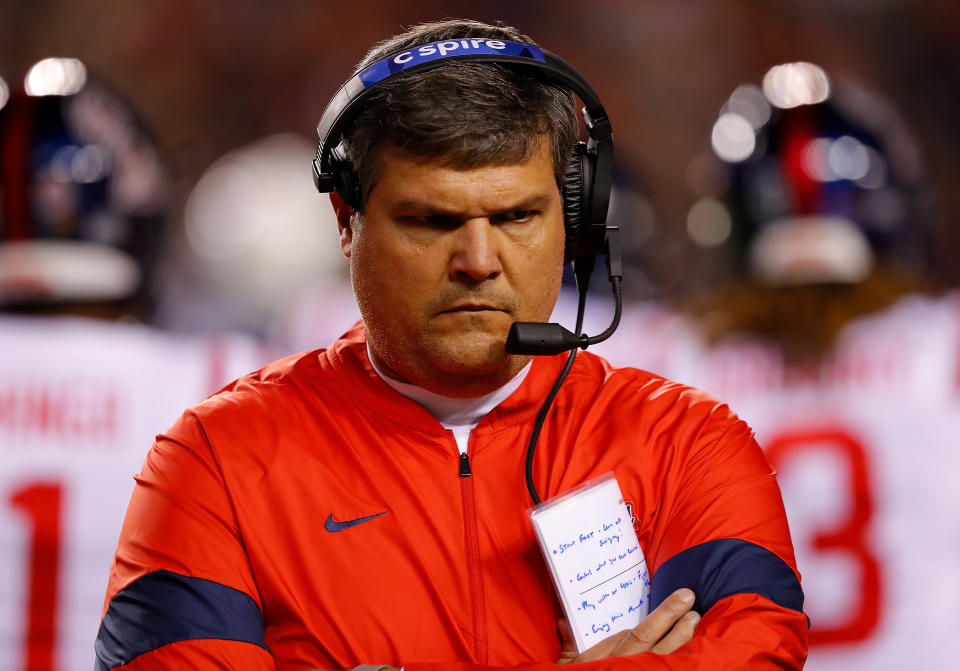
598, 567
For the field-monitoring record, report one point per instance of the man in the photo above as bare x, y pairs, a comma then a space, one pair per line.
82, 198
365, 503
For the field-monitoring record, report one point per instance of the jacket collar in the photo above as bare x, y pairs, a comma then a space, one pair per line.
347, 359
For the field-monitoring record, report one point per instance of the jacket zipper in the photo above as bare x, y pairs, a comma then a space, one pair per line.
472, 544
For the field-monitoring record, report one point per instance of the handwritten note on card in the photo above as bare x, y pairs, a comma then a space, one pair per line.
598, 567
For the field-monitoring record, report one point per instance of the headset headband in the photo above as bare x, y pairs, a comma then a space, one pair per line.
347, 103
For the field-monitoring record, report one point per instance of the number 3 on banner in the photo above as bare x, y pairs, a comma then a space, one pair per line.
40, 502
850, 534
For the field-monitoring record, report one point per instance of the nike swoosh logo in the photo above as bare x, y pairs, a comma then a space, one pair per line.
333, 526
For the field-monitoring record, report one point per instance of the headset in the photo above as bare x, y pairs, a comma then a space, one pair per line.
589, 172
585, 190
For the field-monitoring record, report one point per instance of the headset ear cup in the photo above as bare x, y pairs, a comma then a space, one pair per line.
576, 205
345, 178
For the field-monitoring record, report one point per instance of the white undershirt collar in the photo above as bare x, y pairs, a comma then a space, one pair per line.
459, 415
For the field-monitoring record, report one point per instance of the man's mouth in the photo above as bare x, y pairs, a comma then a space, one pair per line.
473, 307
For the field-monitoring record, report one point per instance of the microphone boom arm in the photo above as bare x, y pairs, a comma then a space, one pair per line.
545, 339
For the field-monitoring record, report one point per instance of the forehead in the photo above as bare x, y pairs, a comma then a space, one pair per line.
403, 176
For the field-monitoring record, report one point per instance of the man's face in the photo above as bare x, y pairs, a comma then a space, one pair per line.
444, 260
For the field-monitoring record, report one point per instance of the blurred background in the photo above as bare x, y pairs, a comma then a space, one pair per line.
213, 78
216, 103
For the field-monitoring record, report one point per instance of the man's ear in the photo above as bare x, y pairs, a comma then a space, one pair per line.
345, 221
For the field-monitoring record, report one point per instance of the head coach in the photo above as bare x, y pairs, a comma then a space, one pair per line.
365, 504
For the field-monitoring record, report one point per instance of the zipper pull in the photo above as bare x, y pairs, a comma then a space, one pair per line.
464, 465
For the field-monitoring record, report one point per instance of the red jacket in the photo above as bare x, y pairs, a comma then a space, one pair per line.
236, 552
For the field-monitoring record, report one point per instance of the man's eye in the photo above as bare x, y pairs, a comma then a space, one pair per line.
519, 216
433, 221
442, 221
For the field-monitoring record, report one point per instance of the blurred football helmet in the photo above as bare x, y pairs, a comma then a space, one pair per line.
81, 193
819, 191
823, 181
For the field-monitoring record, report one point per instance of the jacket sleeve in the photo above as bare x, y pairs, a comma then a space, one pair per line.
181, 592
725, 536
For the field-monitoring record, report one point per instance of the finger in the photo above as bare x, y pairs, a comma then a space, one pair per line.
568, 649
602, 649
681, 633
657, 624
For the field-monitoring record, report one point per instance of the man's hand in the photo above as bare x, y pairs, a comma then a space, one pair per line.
664, 630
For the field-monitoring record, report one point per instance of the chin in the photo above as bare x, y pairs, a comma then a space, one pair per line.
470, 354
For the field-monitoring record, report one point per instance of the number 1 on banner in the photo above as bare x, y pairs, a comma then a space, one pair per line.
40, 502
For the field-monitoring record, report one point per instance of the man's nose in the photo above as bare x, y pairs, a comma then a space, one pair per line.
476, 253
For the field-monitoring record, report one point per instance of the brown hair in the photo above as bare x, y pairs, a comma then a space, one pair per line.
803, 320
465, 114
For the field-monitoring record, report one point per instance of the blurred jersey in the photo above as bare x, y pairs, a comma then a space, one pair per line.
867, 448
80, 404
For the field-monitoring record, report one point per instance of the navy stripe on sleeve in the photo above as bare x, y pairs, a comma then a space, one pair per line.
719, 568
165, 607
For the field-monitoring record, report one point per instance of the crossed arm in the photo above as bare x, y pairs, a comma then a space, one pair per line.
750, 617
668, 627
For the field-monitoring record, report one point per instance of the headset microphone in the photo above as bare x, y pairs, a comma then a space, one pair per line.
535, 338
547, 339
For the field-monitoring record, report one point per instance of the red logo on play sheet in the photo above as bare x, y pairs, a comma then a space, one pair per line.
633, 517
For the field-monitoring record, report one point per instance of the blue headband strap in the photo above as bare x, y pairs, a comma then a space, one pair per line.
447, 49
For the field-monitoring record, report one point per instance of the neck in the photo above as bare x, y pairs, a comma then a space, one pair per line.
454, 412
468, 384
